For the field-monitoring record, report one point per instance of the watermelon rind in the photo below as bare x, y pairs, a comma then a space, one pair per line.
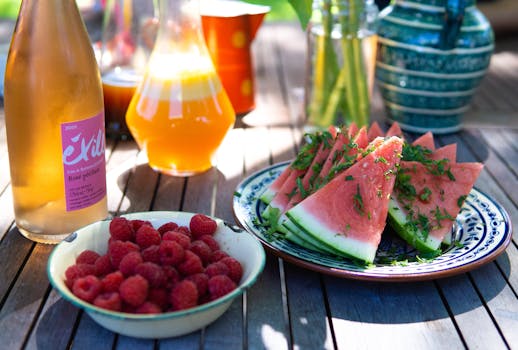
267, 196
397, 219
345, 246
295, 233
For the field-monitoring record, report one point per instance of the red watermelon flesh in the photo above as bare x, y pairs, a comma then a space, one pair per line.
425, 141
352, 129
311, 174
362, 138
446, 152
342, 139
275, 186
394, 130
438, 198
349, 213
268, 195
375, 131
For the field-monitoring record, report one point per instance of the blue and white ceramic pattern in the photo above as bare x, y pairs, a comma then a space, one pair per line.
482, 232
432, 55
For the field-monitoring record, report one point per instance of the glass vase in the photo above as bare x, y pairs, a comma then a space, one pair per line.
340, 63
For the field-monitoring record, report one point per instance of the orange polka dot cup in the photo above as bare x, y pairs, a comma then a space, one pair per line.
229, 28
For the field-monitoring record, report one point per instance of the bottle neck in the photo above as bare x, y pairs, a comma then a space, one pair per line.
179, 20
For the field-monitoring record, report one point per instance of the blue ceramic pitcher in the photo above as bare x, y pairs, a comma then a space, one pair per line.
432, 55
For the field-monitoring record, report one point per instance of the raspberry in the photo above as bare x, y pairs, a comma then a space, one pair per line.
191, 264
169, 226
159, 297
220, 285
129, 262
75, 271
217, 268
147, 236
87, 288
178, 237
120, 229
217, 255
171, 274
103, 265
109, 301
171, 253
210, 241
201, 281
133, 290
235, 269
117, 250
151, 254
153, 273
148, 308
201, 249
202, 225
112, 281
136, 224
87, 257
184, 295
185, 230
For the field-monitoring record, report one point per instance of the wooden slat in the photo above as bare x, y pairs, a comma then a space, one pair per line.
14, 250
307, 309
55, 319
267, 328
395, 315
21, 309
500, 299
470, 314
492, 162
7, 210
89, 335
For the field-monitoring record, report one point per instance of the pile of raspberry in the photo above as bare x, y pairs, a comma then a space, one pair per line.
148, 270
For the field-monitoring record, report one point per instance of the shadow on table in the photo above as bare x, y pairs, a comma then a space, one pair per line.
394, 303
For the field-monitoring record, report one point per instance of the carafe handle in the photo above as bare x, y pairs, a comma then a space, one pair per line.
453, 17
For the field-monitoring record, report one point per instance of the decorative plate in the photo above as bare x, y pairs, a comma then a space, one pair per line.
482, 231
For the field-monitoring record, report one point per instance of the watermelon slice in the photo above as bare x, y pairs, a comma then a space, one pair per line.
375, 131
429, 193
425, 141
349, 213
394, 130
314, 141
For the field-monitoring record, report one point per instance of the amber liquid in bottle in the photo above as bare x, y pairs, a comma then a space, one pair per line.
55, 122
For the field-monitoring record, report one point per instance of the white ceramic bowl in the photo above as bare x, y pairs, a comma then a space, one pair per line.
236, 242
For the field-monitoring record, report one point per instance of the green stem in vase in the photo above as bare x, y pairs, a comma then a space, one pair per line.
355, 79
325, 68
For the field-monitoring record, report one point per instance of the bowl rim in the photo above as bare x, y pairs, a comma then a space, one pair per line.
67, 294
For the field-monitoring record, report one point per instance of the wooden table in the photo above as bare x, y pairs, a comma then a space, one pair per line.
289, 307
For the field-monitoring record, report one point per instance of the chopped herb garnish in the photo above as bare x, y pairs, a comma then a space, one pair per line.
461, 200
358, 200
380, 160
349, 178
424, 195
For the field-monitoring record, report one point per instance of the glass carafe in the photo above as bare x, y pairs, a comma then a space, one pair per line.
128, 35
180, 112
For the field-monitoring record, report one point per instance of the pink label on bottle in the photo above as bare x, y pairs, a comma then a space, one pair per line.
84, 162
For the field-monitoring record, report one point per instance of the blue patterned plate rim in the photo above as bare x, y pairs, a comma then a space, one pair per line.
482, 231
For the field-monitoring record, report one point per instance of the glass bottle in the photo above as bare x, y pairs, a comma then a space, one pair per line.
128, 35
341, 59
54, 122
180, 112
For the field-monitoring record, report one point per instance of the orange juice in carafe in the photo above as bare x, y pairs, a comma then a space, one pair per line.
180, 112
54, 122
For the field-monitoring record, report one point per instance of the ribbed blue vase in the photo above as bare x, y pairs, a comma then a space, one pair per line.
432, 55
